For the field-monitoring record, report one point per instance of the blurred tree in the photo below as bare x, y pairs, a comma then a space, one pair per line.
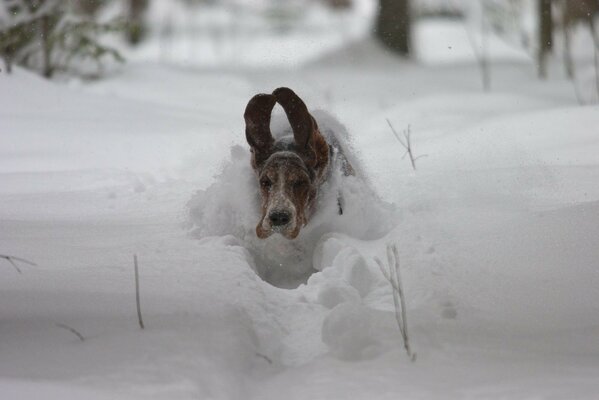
47, 36
393, 25
545, 36
89, 7
339, 4
137, 28
574, 12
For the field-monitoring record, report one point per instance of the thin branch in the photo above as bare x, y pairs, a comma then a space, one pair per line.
402, 298
406, 143
397, 306
72, 330
139, 318
12, 259
22, 260
389, 276
262, 356
394, 278
397, 294
408, 135
405, 146
396, 134
386, 274
16, 267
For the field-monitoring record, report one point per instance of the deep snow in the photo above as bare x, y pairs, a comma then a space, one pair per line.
497, 231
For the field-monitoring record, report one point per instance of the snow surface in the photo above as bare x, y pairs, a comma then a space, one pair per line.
497, 231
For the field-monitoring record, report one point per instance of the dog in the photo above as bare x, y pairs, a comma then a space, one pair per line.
292, 169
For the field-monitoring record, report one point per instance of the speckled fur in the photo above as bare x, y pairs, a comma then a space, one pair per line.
290, 169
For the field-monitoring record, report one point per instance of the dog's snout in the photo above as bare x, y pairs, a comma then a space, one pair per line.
279, 218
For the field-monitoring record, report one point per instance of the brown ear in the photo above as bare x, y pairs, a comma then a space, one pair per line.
257, 122
302, 123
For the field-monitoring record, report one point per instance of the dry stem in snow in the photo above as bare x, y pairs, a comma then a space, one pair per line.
12, 259
595, 34
406, 143
399, 300
72, 330
139, 318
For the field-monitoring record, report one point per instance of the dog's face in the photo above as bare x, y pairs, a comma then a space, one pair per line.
289, 173
287, 192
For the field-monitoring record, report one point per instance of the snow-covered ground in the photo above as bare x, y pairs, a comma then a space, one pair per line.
497, 231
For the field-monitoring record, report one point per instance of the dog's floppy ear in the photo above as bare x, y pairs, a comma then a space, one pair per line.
302, 123
257, 124
305, 129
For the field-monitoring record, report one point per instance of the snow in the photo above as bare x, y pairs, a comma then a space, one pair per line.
496, 232
450, 43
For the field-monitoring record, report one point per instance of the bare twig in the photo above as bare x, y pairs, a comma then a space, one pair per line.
72, 330
139, 318
16, 267
406, 143
394, 278
386, 274
262, 356
402, 299
12, 259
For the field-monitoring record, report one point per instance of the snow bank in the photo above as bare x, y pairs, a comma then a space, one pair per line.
11, 389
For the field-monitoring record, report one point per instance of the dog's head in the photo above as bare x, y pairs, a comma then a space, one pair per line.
289, 171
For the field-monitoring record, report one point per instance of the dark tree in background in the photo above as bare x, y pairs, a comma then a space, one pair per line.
393, 25
339, 4
545, 35
89, 7
137, 28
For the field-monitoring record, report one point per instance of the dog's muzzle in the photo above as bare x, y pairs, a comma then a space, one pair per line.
279, 219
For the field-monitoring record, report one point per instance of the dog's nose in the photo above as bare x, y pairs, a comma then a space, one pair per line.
279, 218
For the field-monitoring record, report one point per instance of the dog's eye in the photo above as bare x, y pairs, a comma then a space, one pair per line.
266, 183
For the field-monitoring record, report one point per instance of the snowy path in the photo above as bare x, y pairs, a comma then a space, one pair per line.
497, 229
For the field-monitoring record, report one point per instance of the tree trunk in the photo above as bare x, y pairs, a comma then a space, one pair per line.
7, 63
47, 69
393, 25
88, 7
137, 28
545, 35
